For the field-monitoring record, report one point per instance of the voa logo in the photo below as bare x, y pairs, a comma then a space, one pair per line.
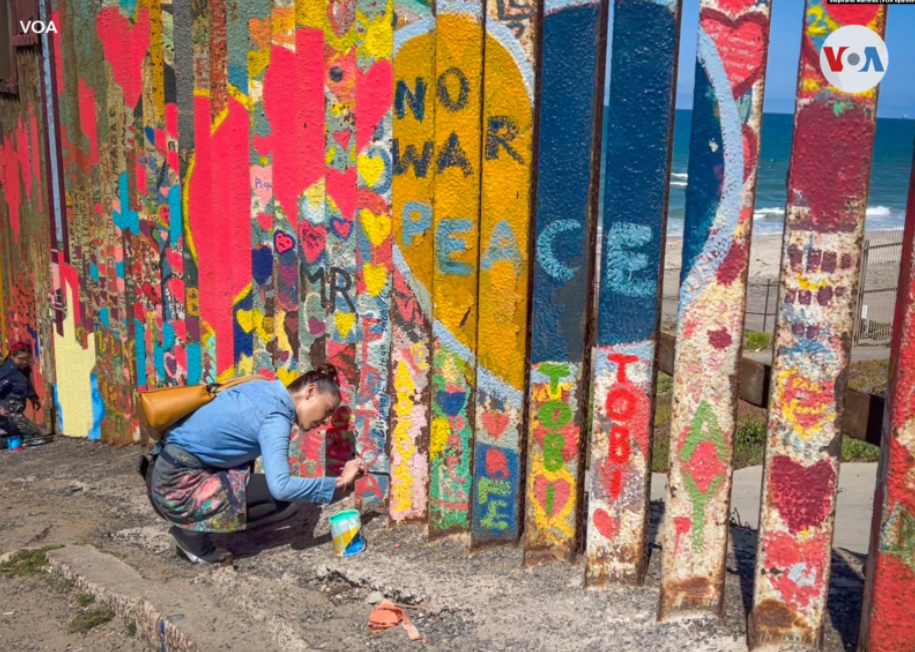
854, 59
37, 26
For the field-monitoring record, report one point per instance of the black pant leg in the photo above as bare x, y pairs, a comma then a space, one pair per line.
261, 504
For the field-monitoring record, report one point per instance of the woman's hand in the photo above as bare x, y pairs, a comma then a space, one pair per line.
345, 482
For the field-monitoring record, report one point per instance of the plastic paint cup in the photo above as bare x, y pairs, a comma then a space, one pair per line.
15, 443
346, 531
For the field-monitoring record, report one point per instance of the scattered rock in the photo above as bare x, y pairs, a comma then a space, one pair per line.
26, 480
375, 597
75, 486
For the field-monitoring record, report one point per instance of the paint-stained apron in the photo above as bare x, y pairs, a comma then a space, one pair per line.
197, 497
16, 423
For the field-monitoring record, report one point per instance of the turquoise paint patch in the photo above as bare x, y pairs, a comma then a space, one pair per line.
175, 218
141, 351
93, 271
119, 269
105, 317
168, 342
128, 7
98, 410
194, 362
126, 219
60, 411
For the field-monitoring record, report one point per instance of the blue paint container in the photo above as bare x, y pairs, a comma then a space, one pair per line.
15, 443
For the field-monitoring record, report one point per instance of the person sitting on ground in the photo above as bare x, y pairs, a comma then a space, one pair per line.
15, 389
201, 481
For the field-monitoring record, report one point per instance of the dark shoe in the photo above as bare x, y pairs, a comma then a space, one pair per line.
197, 548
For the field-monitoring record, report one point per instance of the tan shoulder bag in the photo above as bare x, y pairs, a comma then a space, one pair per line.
162, 408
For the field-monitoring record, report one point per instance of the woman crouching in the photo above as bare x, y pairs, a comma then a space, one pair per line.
201, 480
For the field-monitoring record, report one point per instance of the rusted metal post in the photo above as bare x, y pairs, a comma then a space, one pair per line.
824, 226
411, 303
887, 624
509, 82
724, 153
766, 307
636, 167
569, 140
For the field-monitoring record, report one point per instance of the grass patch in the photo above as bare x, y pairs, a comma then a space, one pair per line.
869, 376
84, 599
132, 628
855, 450
60, 584
757, 341
26, 562
664, 383
91, 618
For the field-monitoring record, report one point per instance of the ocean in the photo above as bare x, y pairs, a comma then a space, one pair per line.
889, 175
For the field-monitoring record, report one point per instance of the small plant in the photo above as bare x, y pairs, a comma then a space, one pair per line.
665, 383
750, 432
84, 599
132, 628
757, 341
91, 618
60, 584
855, 450
26, 562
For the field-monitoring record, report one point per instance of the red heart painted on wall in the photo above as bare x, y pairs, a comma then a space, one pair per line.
125, 45
742, 43
608, 526
373, 99
736, 7
552, 495
851, 14
312, 238
750, 147
283, 242
341, 188
343, 137
495, 423
801, 494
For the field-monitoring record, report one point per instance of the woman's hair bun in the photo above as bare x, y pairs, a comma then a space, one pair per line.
327, 370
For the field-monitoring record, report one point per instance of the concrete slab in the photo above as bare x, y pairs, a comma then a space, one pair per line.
857, 482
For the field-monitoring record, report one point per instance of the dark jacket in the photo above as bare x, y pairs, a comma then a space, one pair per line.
15, 384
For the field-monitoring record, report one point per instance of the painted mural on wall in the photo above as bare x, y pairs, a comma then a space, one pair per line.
824, 227
234, 187
637, 166
724, 155
571, 87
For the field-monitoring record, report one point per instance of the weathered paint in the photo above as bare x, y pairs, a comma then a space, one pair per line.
505, 214
889, 590
637, 164
343, 326
824, 227
307, 450
411, 307
571, 91
456, 207
375, 32
724, 155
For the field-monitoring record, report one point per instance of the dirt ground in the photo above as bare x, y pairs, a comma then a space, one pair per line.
288, 591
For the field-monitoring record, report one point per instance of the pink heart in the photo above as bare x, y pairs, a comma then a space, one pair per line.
315, 326
341, 187
373, 100
282, 242
125, 45
342, 138
495, 423
608, 526
312, 238
745, 40
801, 494
561, 493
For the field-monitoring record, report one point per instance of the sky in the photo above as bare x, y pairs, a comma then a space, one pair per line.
897, 90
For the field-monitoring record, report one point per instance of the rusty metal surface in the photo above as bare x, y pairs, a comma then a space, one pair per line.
889, 593
723, 161
637, 165
824, 227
